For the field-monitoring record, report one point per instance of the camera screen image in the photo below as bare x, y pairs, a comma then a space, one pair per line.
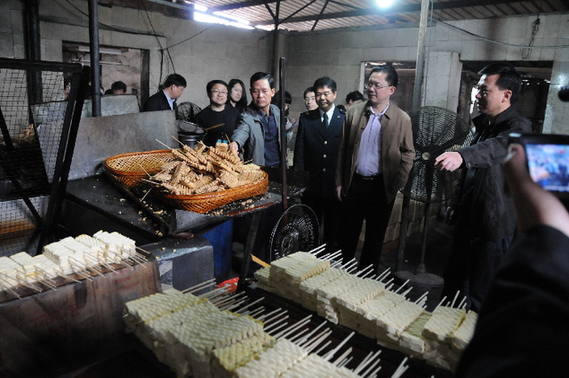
549, 165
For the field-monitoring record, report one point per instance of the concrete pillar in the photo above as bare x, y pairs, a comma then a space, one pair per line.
442, 82
557, 113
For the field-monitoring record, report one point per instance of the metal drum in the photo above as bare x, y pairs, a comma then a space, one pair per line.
190, 133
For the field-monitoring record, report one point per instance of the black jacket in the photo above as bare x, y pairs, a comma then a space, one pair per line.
522, 330
483, 202
316, 150
158, 101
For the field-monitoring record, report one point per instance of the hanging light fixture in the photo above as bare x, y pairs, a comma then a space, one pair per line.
384, 3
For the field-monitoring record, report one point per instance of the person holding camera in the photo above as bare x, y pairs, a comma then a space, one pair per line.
522, 327
483, 214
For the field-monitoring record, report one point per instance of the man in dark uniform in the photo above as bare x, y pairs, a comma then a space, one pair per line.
165, 99
316, 151
483, 212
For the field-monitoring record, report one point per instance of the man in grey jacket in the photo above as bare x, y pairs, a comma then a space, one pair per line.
258, 127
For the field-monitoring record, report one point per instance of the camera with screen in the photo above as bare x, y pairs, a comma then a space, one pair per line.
547, 160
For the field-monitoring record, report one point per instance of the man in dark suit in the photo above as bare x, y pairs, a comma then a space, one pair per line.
316, 151
375, 157
165, 99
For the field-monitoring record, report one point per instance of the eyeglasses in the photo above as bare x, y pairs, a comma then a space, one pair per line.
370, 84
216, 91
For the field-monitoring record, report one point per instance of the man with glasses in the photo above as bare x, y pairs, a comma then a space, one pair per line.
316, 151
258, 128
219, 119
483, 213
375, 156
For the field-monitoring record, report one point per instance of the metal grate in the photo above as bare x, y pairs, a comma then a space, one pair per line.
36, 124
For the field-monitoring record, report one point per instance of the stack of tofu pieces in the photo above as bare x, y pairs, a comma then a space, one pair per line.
368, 307
24, 269
285, 359
65, 257
196, 339
287, 273
183, 331
446, 334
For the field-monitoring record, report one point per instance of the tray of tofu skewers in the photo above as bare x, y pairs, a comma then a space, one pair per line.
68, 260
220, 334
198, 179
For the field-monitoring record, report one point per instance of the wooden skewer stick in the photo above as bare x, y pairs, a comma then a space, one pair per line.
62, 274
462, 303
45, 274
370, 372
276, 325
345, 361
401, 369
333, 351
336, 264
273, 316
384, 274
342, 357
294, 327
316, 340
323, 347
250, 304
317, 250
164, 144
45, 282
369, 267
424, 296
227, 299
298, 335
454, 299
351, 265
305, 338
102, 261
372, 356
80, 269
198, 286
232, 306
24, 281
9, 289
92, 261
254, 313
333, 255
263, 317
407, 291
401, 287
440, 303
213, 293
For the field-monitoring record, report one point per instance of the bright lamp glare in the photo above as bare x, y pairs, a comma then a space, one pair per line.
384, 3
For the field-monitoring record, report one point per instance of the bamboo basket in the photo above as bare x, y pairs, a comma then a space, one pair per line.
203, 203
131, 168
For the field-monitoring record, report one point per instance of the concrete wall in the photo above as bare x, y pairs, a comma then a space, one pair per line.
340, 53
214, 52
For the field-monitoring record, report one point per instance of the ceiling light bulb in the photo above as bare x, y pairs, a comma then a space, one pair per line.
384, 3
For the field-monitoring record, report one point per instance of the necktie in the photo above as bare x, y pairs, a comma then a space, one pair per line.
325, 119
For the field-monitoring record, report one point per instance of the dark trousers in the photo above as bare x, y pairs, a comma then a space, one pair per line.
366, 199
472, 265
328, 212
